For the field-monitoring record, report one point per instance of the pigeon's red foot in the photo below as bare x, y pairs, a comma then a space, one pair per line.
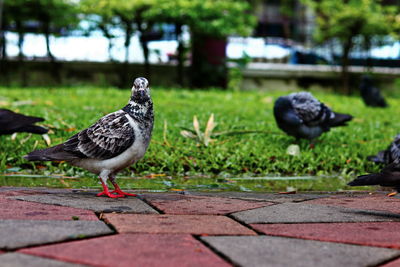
109, 194
120, 192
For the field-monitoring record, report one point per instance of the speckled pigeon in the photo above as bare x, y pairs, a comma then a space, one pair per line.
370, 94
301, 115
389, 155
113, 143
11, 122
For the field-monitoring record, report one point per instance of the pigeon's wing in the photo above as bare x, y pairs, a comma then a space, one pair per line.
107, 138
393, 153
310, 109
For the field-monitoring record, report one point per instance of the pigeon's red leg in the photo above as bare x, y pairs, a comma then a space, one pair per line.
119, 191
106, 192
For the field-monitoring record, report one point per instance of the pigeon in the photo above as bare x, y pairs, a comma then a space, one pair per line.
301, 115
113, 143
370, 94
389, 155
388, 176
11, 122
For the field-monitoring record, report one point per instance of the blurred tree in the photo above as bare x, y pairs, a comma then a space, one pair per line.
57, 17
100, 16
344, 20
210, 22
39, 16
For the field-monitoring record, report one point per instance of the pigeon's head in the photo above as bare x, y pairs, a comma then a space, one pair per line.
140, 90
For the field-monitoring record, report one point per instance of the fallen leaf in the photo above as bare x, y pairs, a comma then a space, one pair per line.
47, 139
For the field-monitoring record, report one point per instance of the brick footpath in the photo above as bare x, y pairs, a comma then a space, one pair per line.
57, 227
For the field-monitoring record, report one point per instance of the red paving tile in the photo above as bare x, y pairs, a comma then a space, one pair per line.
367, 202
379, 234
23, 210
133, 250
180, 204
173, 224
395, 263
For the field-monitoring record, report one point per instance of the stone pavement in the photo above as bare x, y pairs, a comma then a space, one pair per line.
57, 227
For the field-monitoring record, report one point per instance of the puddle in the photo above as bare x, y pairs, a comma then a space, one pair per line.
177, 184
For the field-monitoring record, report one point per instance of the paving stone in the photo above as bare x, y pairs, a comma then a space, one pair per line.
182, 204
16, 234
273, 197
368, 202
89, 201
378, 234
172, 224
19, 259
133, 250
303, 213
279, 251
23, 210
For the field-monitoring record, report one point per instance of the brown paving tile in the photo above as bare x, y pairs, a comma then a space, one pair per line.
394, 263
23, 210
367, 202
133, 250
181, 204
378, 234
173, 224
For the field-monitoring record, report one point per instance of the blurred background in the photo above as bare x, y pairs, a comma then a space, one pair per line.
236, 44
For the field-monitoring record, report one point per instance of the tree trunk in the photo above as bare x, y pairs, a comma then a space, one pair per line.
109, 38
180, 50
345, 65
128, 36
144, 44
47, 36
21, 37
208, 68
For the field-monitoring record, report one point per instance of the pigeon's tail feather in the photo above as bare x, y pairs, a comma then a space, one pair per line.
340, 119
32, 129
369, 179
55, 153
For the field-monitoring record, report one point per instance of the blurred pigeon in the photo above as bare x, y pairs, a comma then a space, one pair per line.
114, 142
389, 155
388, 176
370, 94
11, 122
301, 115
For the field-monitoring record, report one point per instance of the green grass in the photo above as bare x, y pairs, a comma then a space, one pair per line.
340, 153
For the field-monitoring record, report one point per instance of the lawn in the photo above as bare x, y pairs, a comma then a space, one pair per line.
250, 161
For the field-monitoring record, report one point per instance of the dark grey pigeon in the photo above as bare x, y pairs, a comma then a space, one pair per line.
370, 94
11, 122
388, 176
389, 155
113, 143
301, 115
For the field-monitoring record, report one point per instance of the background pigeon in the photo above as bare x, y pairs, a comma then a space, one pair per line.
389, 155
370, 94
113, 143
11, 122
301, 115
389, 176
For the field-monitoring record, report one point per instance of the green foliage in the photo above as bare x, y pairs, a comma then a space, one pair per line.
218, 18
56, 13
343, 19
